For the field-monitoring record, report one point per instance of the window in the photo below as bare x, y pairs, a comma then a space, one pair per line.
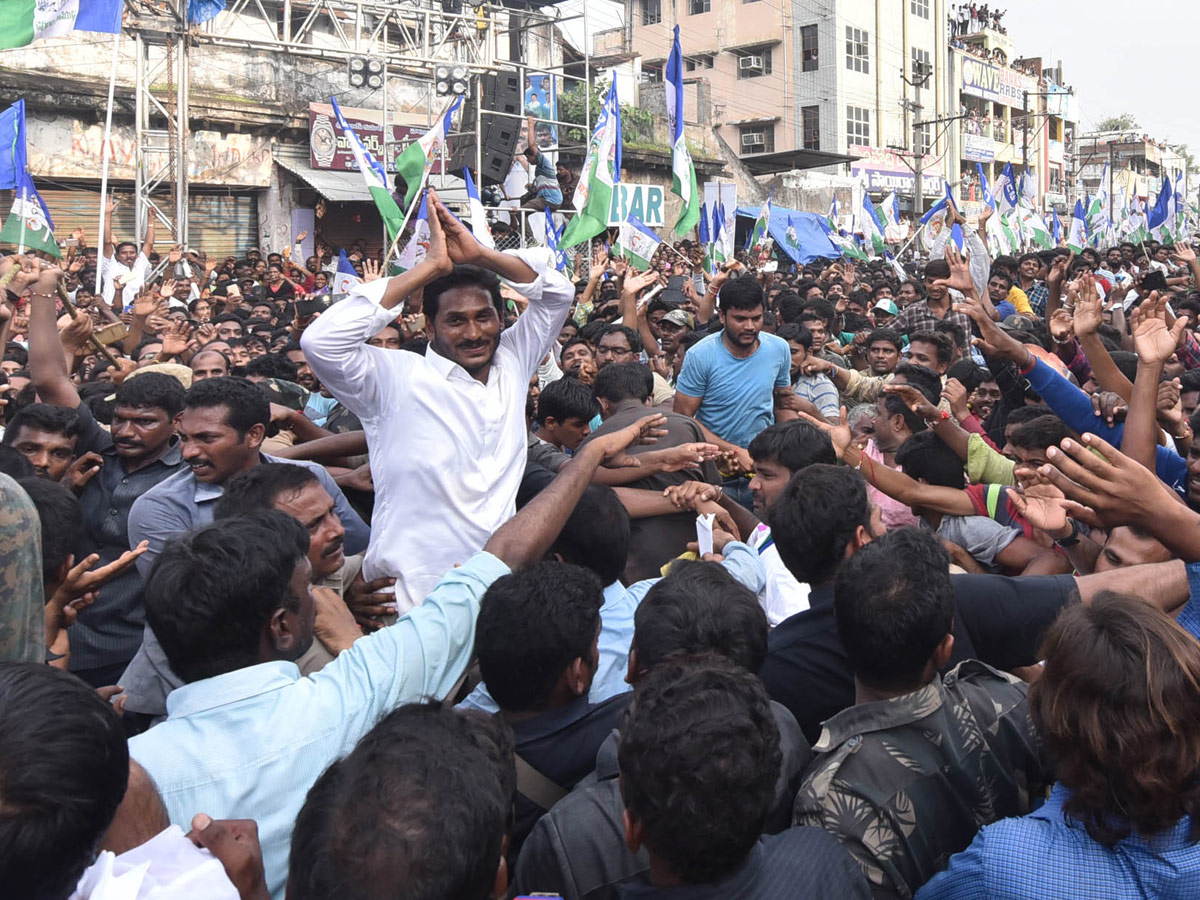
808, 43
651, 11
923, 139
921, 69
810, 117
754, 63
696, 7
858, 126
919, 8
758, 138
652, 74
857, 56
703, 61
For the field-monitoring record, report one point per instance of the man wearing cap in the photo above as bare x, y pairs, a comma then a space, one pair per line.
884, 311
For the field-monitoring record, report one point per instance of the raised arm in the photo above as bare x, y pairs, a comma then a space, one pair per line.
525, 538
148, 243
1087, 318
109, 246
47, 364
1155, 344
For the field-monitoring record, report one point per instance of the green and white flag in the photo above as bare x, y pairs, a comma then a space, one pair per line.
28, 226
415, 160
373, 174
683, 172
1077, 238
760, 232
637, 243
601, 171
1034, 226
872, 226
24, 21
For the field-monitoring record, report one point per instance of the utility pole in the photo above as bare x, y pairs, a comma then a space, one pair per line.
1112, 158
921, 75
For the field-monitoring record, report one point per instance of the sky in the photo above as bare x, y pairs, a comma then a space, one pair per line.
1116, 62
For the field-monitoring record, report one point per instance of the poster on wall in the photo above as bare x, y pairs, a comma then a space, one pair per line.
541, 102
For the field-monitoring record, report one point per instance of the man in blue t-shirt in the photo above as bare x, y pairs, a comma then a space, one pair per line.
728, 380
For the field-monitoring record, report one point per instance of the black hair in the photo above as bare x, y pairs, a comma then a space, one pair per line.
796, 331
227, 317
925, 456
458, 277
211, 592
1002, 274
968, 373
16, 353
699, 757
426, 783
635, 340
690, 339
623, 381
791, 305
152, 390
700, 608
61, 519
943, 345
259, 488
532, 624
937, 268
822, 308
891, 335
272, 365
894, 604
566, 398
43, 417
815, 517
64, 766
741, 293
246, 404
580, 339
1125, 361
923, 378
1022, 414
1040, 433
1189, 381
596, 534
794, 445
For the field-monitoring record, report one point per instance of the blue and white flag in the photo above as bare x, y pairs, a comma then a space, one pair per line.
720, 247
345, 279
683, 171
552, 236
705, 229
1158, 219
13, 162
1078, 237
1056, 227
1005, 191
890, 208
983, 186
601, 172
418, 243
479, 225
637, 242
24, 21
834, 213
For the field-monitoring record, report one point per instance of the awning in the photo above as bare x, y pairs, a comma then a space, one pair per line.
786, 160
753, 45
340, 187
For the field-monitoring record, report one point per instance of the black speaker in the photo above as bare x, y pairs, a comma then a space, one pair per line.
501, 93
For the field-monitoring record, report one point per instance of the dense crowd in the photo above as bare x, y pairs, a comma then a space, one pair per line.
839, 580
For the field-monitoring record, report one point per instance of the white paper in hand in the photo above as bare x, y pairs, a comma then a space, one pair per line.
704, 530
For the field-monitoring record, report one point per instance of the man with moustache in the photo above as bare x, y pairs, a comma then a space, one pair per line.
446, 429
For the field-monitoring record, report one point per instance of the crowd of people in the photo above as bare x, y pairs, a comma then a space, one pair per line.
836, 580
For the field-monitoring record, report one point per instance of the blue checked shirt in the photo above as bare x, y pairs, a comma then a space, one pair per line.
1052, 857
1189, 616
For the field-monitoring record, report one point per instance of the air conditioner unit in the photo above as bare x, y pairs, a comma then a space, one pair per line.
754, 139
750, 62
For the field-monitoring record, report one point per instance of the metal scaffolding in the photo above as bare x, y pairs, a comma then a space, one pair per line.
410, 39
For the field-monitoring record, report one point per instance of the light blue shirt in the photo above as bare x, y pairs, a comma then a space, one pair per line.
318, 408
250, 743
616, 627
737, 396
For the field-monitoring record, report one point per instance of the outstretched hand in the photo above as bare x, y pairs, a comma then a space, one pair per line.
614, 447
839, 433
1153, 339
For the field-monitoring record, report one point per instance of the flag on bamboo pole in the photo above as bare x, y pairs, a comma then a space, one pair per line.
415, 160
762, 225
373, 174
683, 171
872, 227
29, 224
601, 173
345, 279
1159, 218
479, 225
1078, 237
637, 242
24, 21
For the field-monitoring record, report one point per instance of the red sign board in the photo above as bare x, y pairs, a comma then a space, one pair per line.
329, 148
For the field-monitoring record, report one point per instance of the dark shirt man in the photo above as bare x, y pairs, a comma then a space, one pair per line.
907, 775
822, 517
577, 850
623, 390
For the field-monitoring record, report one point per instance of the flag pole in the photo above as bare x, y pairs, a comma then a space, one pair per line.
420, 187
24, 213
106, 154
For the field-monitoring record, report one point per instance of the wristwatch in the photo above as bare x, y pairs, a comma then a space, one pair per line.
1070, 540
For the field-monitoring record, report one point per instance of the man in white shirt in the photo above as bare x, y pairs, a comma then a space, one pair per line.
446, 430
123, 263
